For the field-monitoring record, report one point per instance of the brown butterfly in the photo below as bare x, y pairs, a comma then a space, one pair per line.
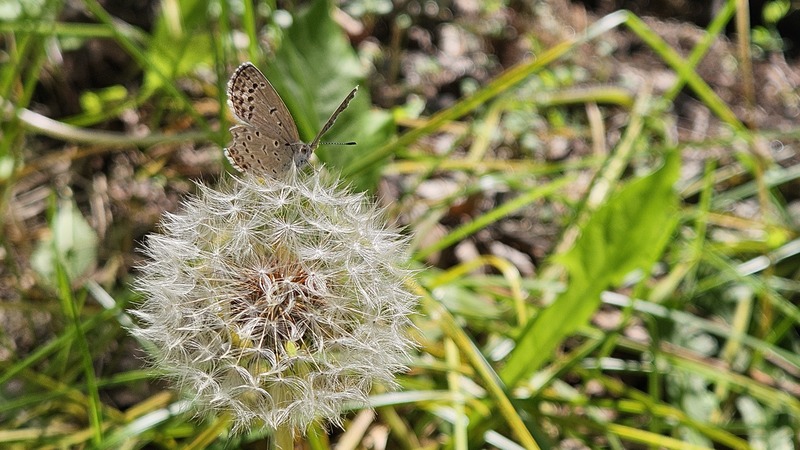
266, 141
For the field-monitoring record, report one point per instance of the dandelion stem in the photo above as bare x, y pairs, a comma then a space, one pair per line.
283, 438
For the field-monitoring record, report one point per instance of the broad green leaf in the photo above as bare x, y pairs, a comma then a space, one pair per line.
314, 69
627, 233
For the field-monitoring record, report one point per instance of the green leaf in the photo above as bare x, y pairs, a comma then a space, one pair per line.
628, 233
72, 242
314, 69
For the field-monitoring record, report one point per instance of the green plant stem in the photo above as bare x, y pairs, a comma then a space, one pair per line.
210, 434
492, 216
684, 70
62, 131
492, 383
71, 310
717, 25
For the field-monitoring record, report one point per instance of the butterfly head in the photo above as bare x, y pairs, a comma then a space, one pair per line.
301, 153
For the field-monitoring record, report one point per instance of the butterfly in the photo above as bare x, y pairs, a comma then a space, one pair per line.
266, 141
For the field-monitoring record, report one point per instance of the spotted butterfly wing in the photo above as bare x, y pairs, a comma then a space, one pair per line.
263, 140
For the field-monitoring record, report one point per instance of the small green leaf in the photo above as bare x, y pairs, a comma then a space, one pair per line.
95, 102
180, 42
72, 241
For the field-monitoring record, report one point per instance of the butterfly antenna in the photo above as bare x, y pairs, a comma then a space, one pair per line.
339, 143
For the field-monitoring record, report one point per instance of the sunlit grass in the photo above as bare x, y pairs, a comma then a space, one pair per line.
659, 307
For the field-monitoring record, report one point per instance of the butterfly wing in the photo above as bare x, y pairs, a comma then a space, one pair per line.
332, 118
266, 142
255, 102
252, 151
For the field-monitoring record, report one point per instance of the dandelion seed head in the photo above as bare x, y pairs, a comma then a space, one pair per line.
275, 300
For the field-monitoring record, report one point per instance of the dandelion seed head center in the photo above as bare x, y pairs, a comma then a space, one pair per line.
279, 305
